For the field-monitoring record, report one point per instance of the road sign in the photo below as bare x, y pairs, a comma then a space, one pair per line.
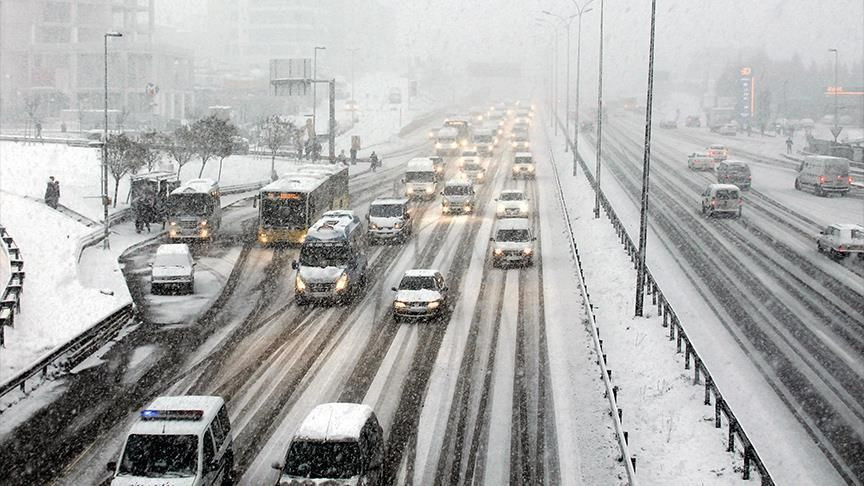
836, 131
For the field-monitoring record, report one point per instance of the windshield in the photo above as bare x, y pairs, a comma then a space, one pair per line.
739, 169
190, 204
511, 196
323, 460
171, 260
385, 210
457, 190
312, 255
524, 160
521, 137
726, 194
283, 212
483, 138
472, 166
417, 283
420, 176
160, 456
512, 235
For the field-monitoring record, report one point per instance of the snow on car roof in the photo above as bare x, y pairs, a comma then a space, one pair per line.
197, 186
512, 191
334, 422
699, 154
513, 224
448, 132
208, 405
333, 225
421, 272
717, 146
318, 169
848, 226
736, 163
389, 200
459, 182
719, 187
420, 164
172, 249
523, 154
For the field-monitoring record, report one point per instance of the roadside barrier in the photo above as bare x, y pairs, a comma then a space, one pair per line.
677, 333
615, 411
70, 354
11, 296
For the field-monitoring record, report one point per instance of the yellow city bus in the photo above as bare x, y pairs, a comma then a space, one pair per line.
290, 205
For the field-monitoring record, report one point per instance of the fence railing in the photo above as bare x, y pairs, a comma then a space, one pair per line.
677, 333
10, 305
615, 411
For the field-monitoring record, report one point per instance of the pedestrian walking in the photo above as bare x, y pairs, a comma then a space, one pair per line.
353, 156
342, 158
39, 130
789, 145
373, 161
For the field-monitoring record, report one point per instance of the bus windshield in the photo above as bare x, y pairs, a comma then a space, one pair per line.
283, 212
190, 204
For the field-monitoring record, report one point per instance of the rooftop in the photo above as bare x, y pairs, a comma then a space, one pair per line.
421, 272
513, 224
208, 405
197, 186
334, 422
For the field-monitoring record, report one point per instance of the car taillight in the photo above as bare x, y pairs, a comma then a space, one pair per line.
822, 179
841, 248
850, 179
713, 203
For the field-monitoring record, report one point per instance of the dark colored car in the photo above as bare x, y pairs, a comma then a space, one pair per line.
733, 172
693, 121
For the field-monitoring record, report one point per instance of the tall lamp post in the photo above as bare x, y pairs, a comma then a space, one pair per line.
599, 122
353, 50
646, 162
579, 11
836, 130
565, 21
553, 68
105, 243
315, 91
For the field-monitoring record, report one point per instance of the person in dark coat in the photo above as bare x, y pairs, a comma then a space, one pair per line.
52, 193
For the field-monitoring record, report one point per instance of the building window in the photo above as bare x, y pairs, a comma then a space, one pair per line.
56, 12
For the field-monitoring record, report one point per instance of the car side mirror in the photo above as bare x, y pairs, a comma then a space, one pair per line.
150, 265
277, 466
295, 265
445, 288
394, 289
491, 239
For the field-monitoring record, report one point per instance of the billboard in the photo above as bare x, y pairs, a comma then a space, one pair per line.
746, 94
291, 76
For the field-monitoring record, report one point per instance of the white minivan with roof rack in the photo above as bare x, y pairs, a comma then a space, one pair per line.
180, 440
337, 443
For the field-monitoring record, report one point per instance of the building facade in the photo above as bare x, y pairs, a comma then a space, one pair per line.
52, 55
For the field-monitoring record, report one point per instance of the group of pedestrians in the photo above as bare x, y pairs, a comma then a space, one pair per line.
374, 161
52, 193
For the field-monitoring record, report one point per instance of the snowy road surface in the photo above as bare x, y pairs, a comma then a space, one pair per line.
502, 390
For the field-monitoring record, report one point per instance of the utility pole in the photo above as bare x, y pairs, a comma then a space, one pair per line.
315, 91
105, 244
836, 130
599, 121
579, 11
646, 162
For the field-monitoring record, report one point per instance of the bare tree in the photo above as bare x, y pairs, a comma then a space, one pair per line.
32, 103
151, 150
212, 138
180, 146
276, 132
124, 156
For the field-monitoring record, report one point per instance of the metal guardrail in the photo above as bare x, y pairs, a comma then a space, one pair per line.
615, 411
678, 334
73, 352
10, 305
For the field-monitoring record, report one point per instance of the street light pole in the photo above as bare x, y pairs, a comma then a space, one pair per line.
599, 121
836, 131
352, 50
105, 243
315, 91
646, 162
579, 11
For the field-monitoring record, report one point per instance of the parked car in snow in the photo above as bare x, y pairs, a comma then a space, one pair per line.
721, 199
422, 293
172, 268
841, 240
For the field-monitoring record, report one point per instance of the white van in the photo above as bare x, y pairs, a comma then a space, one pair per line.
182, 440
337, 443
823, 175
172, 268
722, 199
421, 178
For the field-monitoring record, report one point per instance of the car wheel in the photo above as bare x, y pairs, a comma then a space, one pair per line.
820, 249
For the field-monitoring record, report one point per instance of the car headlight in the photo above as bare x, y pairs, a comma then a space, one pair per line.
430, 190
530, 168
399, 304
397, 225
299, 284
342, 283
410, 190
433, 305
373, 226
499, 251
173, 223
203, 222
172, 233
480, 176
438, 145
527, 251
204, 233
467, 207
501, 208
262, 238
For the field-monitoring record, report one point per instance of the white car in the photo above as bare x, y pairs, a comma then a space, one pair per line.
172, 267
701, 161
730, 129
512, 203
718, 151
722, 199
841, 240
421, 294
513, 243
